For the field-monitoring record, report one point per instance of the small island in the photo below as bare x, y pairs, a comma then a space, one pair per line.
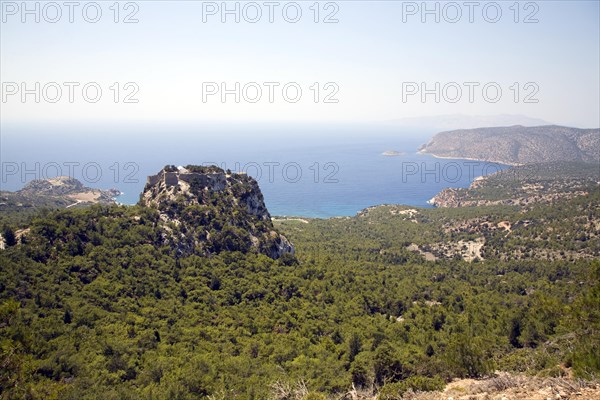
392, 153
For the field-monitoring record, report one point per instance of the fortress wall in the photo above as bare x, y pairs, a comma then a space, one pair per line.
195, 177
216, 181
171, 179
153, 179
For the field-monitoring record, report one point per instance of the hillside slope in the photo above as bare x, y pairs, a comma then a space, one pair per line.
96, 304
515, 145
524, 185
53, 193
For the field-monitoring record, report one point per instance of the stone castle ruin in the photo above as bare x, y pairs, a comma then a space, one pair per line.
214, 180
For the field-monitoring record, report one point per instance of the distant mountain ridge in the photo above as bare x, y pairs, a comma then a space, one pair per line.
461, 121
517, 145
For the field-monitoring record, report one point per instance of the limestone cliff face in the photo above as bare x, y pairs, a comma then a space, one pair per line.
207, 210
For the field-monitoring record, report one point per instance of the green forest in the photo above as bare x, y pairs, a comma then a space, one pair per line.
94, 304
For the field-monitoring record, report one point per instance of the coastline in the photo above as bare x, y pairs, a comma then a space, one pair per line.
469, 159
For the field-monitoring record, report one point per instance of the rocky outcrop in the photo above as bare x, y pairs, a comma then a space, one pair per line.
193, 185
517, 145
208, 210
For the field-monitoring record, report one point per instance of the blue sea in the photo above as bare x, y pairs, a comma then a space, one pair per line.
303, 170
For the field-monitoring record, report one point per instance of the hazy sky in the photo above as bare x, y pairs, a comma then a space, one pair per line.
375, 60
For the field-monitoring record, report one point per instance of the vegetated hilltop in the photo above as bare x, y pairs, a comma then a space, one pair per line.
207, 210
516, 145
524, 185
536, 232
59, 192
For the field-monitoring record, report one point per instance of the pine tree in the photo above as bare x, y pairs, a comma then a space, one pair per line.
9, 236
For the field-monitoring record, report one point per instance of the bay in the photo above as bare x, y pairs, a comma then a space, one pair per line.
307, 170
